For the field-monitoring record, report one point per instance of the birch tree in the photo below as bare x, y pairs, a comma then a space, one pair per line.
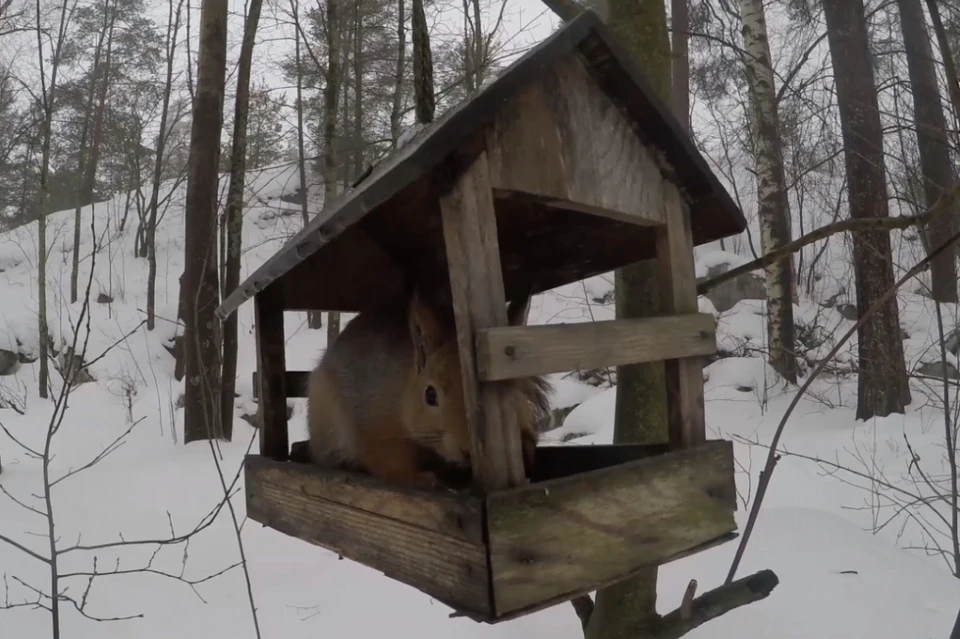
773, 207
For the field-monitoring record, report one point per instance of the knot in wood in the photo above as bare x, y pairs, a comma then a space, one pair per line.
510, 350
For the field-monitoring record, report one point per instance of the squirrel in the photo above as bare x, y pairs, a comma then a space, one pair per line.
387, 398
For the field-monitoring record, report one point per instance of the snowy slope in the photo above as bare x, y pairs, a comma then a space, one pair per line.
813, 530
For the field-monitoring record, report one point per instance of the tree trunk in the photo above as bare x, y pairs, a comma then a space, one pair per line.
680, 89
422, 65
773, 207
201, 408
330, 113
43, 203
357, 91
932, 143
151, 228
314, 318
397, 111
90, 175
882, 382
81, 162
234, 214
629, 609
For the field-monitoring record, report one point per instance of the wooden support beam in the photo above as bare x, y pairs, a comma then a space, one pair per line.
511, 352
678, 295
476, 286
272, 366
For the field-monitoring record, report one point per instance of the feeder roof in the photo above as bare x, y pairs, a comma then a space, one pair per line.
365, 245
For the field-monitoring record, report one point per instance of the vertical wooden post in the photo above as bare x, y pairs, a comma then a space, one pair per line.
272, 368
476, 286
678, 294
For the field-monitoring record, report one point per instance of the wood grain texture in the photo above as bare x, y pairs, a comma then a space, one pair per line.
476, 288
563, 141
556, 539
441, 512
271, 366
678, 294
521, 351
291, 500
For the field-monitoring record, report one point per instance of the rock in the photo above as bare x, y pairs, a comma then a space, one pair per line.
937, 370
749, 286
9, 362
952, 341
71, 367
848, 311
103, 298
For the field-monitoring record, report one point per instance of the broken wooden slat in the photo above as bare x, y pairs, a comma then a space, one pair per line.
521, 351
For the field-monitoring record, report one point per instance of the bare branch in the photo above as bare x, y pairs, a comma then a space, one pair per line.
717, 602
25, 550
771, 461
853, 225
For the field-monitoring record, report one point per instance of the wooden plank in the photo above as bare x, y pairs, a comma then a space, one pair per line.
441, 512
512, 352
294, 383
450, 569
678, 294
271, 364
553, 540
476, 286
563, 141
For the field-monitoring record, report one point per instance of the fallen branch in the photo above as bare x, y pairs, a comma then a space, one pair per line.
772, 457
717, 602
855, 225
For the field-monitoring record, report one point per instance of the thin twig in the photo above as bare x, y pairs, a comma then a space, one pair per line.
853, 225
771, 461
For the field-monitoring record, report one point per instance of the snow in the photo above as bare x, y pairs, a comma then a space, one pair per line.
814, 527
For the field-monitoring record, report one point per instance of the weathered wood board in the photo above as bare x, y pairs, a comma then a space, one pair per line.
427, 540
563, 141
476, 288
556, 539
521, 351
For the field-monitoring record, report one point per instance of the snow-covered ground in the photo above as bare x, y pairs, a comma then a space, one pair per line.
837, 577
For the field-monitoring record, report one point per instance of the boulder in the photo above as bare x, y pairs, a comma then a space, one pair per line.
748, 286
8, 362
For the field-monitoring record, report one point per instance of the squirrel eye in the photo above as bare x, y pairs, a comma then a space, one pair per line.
431, 396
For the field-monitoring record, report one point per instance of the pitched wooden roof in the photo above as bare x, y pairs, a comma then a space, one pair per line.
385, 219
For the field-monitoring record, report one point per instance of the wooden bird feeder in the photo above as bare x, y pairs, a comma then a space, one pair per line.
564, 167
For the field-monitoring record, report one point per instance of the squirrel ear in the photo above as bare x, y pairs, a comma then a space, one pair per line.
425, 329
